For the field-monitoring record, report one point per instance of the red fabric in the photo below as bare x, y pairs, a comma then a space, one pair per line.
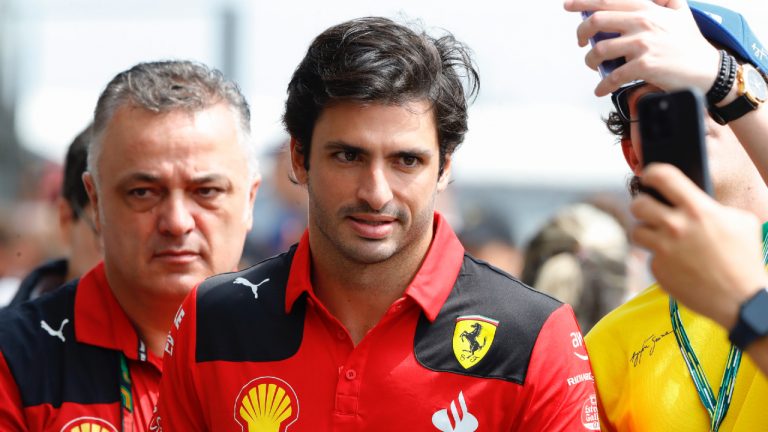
98, 321
377, 385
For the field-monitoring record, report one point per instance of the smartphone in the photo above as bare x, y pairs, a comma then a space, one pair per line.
608, 66
672, 131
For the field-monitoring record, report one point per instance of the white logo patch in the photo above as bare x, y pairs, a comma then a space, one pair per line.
169, 345
578, 342
246, 282
177, 319
464, 421
576, 379
589, 416
56, 333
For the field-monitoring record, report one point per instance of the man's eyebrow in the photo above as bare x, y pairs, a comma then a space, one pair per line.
422, 153
142, 177
210, 178
344, 146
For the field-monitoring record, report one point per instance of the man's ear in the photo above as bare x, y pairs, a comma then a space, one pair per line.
445, 176
298, 155
93, 196
255, 183
66, 214
634, 160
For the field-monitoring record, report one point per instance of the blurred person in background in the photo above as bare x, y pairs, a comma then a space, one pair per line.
487, 235
580, 257
172, 177
281, 208
77, 229
683, 372
9, 282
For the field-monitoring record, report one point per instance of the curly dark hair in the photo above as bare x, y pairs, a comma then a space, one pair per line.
374, 59
620, 129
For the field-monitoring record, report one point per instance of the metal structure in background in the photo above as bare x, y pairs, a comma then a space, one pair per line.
10, 152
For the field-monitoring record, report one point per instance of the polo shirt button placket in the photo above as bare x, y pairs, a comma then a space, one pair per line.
350, 374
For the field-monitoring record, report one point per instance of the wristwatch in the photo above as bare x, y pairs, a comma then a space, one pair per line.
752, 91
753, 320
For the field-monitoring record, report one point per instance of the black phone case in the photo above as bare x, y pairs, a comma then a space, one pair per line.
672, 131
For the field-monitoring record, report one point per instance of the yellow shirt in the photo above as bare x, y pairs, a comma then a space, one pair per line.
642, 380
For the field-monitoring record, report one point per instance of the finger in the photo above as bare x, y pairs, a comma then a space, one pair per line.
672, 4
648, 210
674, 185
604, 21
598, 5
630, 71
646, 237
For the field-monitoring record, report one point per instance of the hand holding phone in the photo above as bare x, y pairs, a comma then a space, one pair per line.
672, 131
605, 68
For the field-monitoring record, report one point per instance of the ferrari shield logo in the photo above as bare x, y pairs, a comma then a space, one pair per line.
472, 338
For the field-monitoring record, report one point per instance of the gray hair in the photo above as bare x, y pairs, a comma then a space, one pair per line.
166, 86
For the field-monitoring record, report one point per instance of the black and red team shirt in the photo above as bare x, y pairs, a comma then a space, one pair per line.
60, 363
466, 348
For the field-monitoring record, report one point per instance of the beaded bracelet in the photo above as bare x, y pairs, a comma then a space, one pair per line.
726, 76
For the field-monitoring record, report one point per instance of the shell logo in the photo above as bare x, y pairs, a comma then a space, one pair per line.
88, 424
266, 404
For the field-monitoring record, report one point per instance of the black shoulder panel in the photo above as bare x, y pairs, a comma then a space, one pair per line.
47, 369
241, 316
483, 290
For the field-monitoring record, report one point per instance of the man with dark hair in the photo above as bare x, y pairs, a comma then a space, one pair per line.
172, 179
658, 365
377, 320
76, 227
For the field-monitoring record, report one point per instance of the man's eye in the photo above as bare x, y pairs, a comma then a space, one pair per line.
346, 156
209, 192
140, 193
410, 161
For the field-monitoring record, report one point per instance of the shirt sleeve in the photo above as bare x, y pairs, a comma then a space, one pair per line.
11, 413
559, 384
178, 406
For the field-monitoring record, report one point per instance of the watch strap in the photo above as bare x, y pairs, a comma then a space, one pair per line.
746, 329
734, 110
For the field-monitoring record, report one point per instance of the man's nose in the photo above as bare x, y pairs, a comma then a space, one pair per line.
374, 187
176, 218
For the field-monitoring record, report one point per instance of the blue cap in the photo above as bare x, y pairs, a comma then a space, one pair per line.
729, 29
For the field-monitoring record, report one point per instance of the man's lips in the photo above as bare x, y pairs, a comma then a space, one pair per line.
371, 226
176, 256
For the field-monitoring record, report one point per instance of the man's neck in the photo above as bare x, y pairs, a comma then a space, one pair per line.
754, 199
360, 294
151, 316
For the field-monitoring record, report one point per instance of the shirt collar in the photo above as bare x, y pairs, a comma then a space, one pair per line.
100, 321
429, 288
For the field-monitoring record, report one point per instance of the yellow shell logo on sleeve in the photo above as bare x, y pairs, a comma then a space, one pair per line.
88, 424
472, 338
266, 404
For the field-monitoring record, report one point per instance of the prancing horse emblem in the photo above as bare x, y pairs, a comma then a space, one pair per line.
472, 338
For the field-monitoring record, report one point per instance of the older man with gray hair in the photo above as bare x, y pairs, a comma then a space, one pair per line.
172, 176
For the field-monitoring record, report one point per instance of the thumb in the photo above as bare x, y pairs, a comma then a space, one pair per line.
672, 4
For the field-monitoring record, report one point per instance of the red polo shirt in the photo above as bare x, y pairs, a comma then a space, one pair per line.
465, 348
60, 363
